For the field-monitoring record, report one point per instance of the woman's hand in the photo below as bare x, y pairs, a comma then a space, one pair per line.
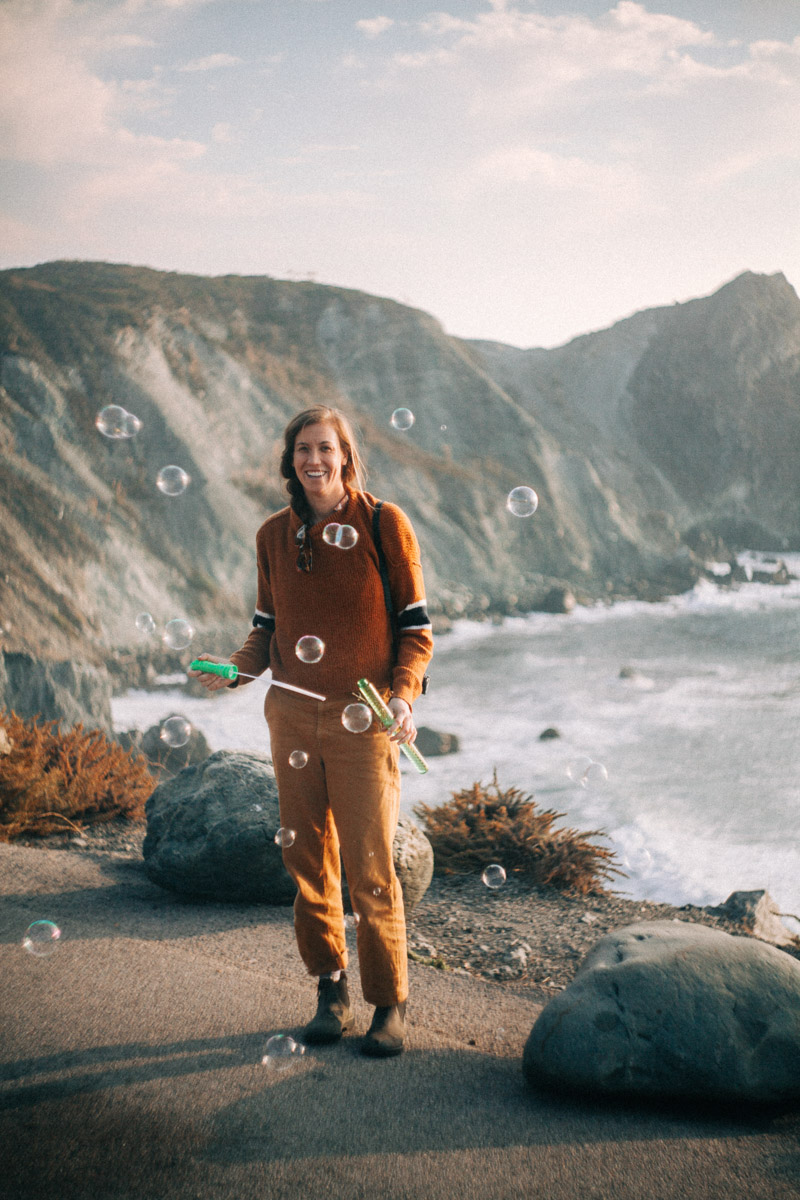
403, 729
212, 683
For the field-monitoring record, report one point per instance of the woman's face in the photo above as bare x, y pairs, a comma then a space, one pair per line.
318, 460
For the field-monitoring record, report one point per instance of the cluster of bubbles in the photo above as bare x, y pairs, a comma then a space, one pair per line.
285, 837
357, 717
172, 480
522, 502
310, 649
494, 876
175, 731
402, 419
178, 632
587, 773
115, 422
41, 938
343, 536
282, 1051
298, 759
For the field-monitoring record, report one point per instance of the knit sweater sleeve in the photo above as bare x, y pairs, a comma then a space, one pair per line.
253, 657
414, 634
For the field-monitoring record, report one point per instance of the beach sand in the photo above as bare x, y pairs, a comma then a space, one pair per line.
132, 1058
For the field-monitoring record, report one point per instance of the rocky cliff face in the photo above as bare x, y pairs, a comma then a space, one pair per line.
636, 437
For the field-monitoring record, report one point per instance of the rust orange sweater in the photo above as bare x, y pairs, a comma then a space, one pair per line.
340, 600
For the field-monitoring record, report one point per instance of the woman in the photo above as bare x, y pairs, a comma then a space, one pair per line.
347, 794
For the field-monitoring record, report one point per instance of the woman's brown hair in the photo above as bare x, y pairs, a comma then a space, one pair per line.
353, 471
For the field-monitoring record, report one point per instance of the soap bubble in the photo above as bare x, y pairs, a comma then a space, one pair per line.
522, 502
178, 633
376, 891
112, 421
595, 776
282, 1051
145, 624
494, 876
310, 649
357, 717
330, 533
298, 759
443, 428
402, 419
41, 938
577, 768
285, 838
132, 425
172, 480
176, 731
347, 537
351, 920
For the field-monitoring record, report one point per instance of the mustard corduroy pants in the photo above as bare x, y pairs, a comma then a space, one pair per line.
346, 797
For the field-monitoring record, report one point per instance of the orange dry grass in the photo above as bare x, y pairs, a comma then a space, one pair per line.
52, 781
483, 825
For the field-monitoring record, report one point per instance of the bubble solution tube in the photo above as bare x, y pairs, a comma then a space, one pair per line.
376, 702
231, 671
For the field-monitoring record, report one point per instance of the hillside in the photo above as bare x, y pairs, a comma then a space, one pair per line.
638, 439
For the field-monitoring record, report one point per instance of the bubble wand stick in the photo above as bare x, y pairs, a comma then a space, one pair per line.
231, 671
376, 702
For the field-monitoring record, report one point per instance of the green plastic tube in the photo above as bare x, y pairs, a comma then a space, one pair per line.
376, 702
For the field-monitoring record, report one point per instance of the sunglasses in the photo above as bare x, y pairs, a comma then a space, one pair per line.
304, 557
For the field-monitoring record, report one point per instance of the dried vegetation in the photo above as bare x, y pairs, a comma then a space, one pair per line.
484, 824
51, 781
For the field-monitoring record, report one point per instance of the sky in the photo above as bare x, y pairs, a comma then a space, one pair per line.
525, 172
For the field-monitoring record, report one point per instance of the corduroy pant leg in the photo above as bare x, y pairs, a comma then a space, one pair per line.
363, 784
312, 859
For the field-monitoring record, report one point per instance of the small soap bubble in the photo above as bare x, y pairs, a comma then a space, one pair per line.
172, 480
285, 837
347, 537
111, 421
443, 428
282, 1051
178, 633
133, 425
376, 891
402, 419
145, 624
310, 649
357, 717
578, 767
298, 759
41, 938
522, 502
494, 876
330, 533
176, 731
351, 920
595, 776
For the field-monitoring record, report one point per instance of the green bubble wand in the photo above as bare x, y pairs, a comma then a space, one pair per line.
232, 672
384, 714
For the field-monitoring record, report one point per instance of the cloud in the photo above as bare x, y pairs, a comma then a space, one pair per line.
212, 62
373, 27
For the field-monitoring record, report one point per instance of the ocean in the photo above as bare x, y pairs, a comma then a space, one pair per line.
691, 707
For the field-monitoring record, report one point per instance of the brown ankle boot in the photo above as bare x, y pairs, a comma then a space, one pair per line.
334, 1015
386, 1033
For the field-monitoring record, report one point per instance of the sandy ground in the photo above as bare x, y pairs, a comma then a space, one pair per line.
131, 1066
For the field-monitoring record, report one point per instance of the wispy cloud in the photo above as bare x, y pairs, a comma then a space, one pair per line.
212, 62
373, 27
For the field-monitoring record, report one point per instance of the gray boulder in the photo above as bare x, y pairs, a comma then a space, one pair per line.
168, 760
211, 831
72, 693
757, 913
432, 742
675, 1010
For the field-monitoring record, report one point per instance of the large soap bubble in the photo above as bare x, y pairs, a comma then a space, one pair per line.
494, 876
282, 1051
357, 717
41, 938
285, 837
172, 480
522, 502
309, 649
331, 532
176, 731
298, 759
112, 421
402, 419
145, 624
178, 633
347, 537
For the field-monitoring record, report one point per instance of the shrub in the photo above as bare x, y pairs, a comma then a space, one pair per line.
481, 825
51, 781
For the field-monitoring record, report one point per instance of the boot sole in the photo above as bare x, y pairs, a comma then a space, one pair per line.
376, 1050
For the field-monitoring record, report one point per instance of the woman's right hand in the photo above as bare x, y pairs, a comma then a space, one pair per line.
212, 683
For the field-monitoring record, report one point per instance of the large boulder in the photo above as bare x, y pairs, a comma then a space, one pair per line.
211, 833
675, 1010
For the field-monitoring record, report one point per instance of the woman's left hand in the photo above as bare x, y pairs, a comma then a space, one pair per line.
403, 729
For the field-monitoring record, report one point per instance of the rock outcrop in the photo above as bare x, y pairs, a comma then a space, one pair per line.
671, 1009
759, 915
66, 691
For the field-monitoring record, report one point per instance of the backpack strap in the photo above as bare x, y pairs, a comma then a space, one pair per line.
387, 591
